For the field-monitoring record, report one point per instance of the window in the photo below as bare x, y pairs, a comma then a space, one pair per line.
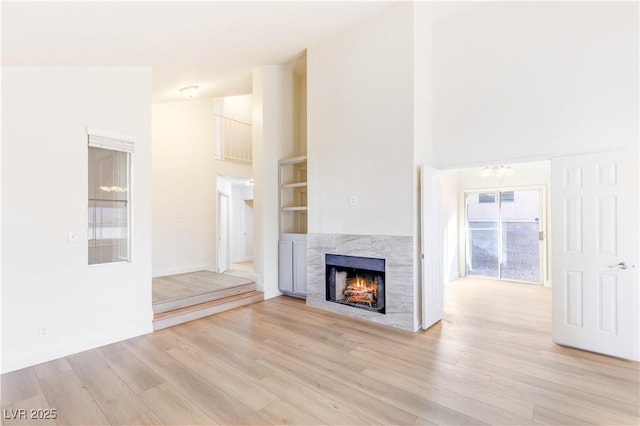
109, 199
507, 196
487, 198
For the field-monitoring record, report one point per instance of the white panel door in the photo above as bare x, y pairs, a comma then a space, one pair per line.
432, 247
594, 219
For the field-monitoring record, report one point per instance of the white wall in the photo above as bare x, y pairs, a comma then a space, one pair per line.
529, 80
272, 141
1, 209
300, 105
360, 128
237, 107
302, 113
184, 186
46, 281
450, 222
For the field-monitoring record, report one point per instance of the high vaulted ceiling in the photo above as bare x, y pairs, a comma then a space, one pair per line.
210, 44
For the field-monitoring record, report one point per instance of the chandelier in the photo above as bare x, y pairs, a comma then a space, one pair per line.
496, 171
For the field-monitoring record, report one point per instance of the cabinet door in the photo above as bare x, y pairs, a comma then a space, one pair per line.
300, 267
285, 271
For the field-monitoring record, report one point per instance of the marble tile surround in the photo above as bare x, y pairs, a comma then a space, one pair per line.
399, 282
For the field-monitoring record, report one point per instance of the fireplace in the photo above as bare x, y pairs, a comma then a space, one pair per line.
355, 281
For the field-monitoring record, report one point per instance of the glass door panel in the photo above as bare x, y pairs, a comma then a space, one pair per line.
503, 234
520, 217
482, 234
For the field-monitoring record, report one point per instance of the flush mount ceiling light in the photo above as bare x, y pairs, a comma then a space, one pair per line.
189, 91
496, 171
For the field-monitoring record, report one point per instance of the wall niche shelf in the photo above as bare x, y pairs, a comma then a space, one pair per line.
292, 245
294, 185
293, 195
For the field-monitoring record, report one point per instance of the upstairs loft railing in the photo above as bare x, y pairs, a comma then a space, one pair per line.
233, 139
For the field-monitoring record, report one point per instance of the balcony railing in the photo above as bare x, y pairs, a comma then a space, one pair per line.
233, 139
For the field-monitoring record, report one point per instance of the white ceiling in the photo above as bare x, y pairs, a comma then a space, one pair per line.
210, 44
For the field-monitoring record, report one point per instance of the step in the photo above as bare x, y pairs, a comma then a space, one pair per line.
201, 310
183, 302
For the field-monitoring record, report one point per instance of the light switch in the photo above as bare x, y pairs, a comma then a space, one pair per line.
72, 237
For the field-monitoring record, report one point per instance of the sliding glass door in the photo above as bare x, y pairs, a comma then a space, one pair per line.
504, 234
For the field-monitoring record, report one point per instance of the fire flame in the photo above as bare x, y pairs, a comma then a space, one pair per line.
362, 284
361, 290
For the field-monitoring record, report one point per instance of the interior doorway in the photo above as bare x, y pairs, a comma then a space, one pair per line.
504, 234
587, 219
223, 246
236, 256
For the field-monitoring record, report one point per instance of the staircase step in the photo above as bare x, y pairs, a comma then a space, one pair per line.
183, 302
189, 313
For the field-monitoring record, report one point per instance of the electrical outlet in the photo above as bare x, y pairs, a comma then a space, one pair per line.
354, 200
44, 332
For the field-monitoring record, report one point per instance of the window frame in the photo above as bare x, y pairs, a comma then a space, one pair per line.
116, 142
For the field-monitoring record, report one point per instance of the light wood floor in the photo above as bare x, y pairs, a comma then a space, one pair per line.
243, 266
280, 362
192, 284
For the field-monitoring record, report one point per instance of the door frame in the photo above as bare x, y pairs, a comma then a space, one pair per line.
227, 248
543, 244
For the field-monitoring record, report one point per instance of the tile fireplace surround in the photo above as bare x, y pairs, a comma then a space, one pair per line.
399, 286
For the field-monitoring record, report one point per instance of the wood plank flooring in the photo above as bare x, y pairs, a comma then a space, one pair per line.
490, 361
192, 284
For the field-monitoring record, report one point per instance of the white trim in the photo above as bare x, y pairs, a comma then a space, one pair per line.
293, 160
120, 262
110, 134
99, 138
227, 247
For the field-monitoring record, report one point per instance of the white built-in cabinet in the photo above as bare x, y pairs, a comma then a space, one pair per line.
292, 246
292, 252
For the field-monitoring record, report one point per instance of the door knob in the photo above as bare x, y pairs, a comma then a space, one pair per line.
620, 265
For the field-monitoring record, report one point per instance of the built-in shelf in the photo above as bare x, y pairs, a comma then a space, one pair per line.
292, 244
293, 160
294, 185
293, 195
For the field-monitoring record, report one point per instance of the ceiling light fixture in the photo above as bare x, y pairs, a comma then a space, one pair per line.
189, 91
496, 171
113, 188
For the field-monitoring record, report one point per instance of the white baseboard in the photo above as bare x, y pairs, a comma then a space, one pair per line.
163, 272
547, 283
272, 293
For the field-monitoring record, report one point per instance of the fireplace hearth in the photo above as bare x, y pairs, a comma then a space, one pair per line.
356, 281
